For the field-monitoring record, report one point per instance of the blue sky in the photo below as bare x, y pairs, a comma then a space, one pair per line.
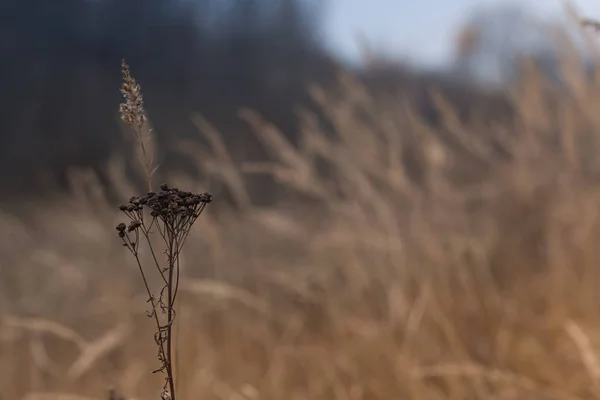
418, 30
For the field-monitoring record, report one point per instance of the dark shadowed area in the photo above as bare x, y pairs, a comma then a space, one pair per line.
60, 78
61, 74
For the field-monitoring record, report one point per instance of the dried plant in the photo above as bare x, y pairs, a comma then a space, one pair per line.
171, 212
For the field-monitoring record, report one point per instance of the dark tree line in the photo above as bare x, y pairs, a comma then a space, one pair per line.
60, 73
60, 76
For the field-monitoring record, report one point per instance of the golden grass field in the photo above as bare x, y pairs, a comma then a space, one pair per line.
473, 274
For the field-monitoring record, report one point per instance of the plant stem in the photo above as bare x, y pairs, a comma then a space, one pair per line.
170, 307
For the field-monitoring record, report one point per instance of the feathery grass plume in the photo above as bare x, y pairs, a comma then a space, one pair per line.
133, 114
171, 212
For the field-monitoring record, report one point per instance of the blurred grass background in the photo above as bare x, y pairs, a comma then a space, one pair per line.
400, 243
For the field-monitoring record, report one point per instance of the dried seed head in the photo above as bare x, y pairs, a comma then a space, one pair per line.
132, 109
173, 206
133, 225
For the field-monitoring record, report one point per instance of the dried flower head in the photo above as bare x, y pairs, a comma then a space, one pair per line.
172, 212
173, 207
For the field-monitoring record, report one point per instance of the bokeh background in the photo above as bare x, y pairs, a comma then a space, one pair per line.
405, 198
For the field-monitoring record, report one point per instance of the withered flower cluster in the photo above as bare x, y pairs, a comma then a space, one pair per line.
176, 209
171, 212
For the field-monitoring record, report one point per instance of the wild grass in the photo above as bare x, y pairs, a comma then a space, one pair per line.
410, 263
